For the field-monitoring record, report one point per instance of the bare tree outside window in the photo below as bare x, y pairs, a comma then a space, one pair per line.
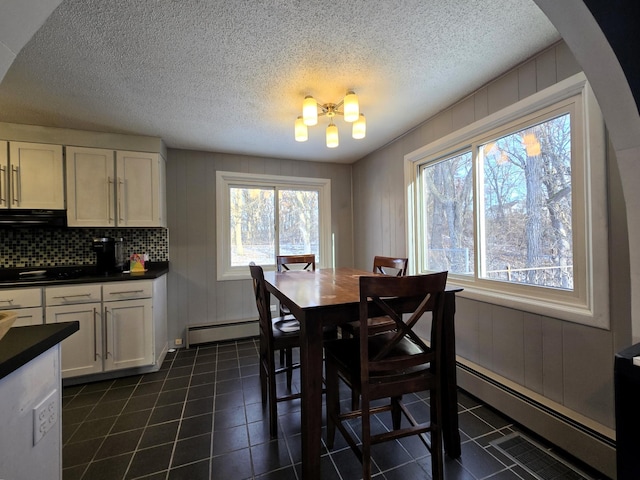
448, 215
299, 223
524, 227
253, 224
527, 205
252, 220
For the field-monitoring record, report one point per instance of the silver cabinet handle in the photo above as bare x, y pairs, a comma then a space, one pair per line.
74, 296
8, 300
15, 185
125, 292
110, 198
106, 337
120, 212
95, 335
3, 185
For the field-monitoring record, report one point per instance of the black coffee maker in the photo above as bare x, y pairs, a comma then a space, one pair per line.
110, 255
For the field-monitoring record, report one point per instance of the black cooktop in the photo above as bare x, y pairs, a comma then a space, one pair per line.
26, 275
43, 276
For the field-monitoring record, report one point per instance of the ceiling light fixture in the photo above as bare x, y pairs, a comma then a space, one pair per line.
347, 107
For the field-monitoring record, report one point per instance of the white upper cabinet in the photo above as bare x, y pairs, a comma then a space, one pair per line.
90, 187
31, 176
140, 189
107, 188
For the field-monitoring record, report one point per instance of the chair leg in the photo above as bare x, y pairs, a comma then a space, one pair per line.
263, 381
289, 363
332, 401
273, 401
366, 440
355, 399
396, 413
437, 460
282, 358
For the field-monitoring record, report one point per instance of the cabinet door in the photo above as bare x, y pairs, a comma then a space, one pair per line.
82, 351
129, 334
90, 187
4, 174
36, 176
139, 193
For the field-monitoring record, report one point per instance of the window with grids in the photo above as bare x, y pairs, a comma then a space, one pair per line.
264, 216
514, 207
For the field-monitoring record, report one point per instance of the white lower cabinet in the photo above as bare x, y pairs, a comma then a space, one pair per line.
82, 352
128, 327
116, 325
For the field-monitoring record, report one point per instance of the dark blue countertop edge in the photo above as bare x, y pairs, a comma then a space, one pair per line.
156, 269
22, 344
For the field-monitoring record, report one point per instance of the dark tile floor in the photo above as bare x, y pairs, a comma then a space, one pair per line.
201, 417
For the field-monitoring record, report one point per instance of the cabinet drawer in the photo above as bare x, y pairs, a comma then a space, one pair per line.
72, 294
29, 316
127, 290
20, 298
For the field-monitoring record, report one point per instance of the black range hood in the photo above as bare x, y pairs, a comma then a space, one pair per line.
33, 218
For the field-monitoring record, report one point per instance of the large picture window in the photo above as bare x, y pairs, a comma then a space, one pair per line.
262, 216
514, 206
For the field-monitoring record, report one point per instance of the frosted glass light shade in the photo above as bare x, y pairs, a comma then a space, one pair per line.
332, 136
359, 128
351, 107
301, 130
310, 111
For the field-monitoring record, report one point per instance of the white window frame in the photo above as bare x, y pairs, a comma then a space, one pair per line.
226, 180
588, 303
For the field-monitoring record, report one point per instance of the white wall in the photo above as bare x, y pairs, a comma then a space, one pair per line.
194, 294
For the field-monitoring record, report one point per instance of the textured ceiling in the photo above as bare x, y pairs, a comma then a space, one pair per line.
230, 76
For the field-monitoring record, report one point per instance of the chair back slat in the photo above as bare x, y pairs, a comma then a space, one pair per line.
263, 299
283, 262
396, 266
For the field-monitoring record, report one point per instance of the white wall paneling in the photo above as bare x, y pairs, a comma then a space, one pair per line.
195, 296
541, 354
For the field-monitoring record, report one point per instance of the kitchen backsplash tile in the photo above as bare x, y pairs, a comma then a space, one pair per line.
52, 247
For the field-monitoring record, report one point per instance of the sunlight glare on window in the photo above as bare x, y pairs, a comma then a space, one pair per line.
526, 179
299, 231
252, 225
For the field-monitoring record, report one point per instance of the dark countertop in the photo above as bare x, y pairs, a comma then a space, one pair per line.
78, 275
22, 344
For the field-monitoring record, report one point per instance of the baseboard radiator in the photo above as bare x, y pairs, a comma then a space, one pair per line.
217, 332
586, 444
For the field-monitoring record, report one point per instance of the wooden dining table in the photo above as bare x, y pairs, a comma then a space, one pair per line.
329, 297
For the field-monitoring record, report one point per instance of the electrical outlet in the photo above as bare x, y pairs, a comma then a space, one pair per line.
45, 416
178, 341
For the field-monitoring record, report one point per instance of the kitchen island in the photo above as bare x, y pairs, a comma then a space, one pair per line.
31, 401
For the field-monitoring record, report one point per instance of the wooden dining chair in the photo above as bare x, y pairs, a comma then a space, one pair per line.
276, 334
390, 365
390, 265
285, 263
393, 266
